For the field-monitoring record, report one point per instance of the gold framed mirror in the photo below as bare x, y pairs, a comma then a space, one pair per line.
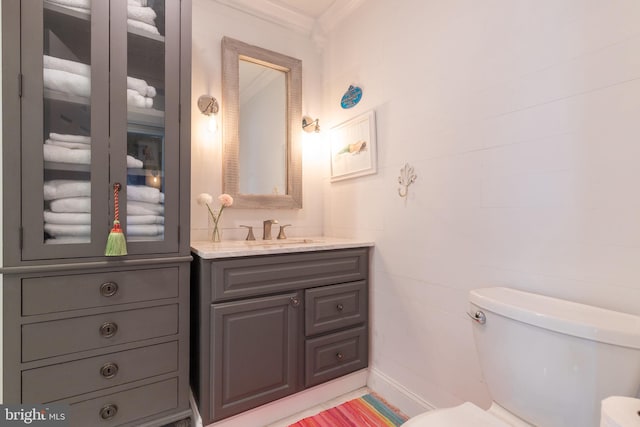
261, 116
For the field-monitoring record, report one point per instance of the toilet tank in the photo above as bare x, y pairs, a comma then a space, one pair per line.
551, 361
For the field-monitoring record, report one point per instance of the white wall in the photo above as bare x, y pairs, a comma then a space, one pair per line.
212, 21
521, 119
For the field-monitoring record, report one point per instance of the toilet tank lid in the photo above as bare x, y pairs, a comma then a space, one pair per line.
571, 318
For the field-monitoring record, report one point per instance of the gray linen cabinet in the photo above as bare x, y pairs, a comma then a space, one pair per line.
93, 96
267, 326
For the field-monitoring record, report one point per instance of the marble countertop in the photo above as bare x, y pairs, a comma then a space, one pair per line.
235, 248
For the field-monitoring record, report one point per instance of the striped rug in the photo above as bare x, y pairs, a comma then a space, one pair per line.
369, 410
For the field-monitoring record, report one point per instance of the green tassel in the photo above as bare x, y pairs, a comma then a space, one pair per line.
116, 242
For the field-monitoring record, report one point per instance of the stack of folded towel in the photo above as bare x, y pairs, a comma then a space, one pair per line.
145, 213
63, 148
68, 218
139, 16
63, 75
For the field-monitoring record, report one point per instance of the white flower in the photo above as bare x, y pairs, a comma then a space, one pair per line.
204, 199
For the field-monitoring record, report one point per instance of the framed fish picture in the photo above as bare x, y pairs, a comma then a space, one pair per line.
353, 147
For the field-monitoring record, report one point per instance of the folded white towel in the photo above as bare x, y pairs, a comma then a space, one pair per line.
143, 193
144, 219
142, 26
71, 204
66, 82
72, 145
57, 151
142, 14
84, 4
67, 229
67, 240
144, 230
136, 100
144, 208
133, 163
141, 87
80, 139
54, 153
66, 218
55, 63
63, 188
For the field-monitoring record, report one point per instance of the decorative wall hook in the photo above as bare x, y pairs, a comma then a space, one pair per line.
406, 178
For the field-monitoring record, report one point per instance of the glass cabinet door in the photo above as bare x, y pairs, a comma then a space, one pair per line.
64, 128
146, 80
100, 105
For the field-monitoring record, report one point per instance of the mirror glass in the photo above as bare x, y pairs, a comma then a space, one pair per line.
263, 129
261, 121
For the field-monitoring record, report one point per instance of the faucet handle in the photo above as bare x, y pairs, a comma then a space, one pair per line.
250, 235
281, 234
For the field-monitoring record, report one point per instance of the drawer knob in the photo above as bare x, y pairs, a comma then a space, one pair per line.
108, 289
295, 301
109, 370
339, 356
108, 329
108, 411
339, 307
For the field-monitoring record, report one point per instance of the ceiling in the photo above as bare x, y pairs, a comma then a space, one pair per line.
311, 17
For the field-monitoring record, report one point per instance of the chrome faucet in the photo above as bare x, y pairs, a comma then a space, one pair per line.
266, 228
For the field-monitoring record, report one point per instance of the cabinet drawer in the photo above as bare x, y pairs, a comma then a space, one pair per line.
119, 408
54, 382
46, 339
71, 292
334, 355
335, 307
245, 277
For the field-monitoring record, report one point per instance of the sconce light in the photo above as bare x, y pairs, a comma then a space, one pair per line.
209, 107
310, 125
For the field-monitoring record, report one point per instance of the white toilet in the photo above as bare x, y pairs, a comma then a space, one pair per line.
547, 362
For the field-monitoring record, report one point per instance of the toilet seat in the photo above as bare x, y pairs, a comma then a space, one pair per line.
463, 415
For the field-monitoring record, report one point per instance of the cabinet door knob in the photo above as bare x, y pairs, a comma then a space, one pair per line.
339, 307
295, 301
108, 289
108, 329
108, 411
339, 356
109, 370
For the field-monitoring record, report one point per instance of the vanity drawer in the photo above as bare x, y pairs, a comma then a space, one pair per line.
260, 275
334, 355
54, 382
130, 405
335, 307
77, 291
53, 338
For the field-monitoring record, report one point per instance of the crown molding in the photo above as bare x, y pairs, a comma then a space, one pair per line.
274, 13
337, 13
293, 20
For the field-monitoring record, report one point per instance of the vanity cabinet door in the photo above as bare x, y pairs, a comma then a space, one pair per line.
254, 351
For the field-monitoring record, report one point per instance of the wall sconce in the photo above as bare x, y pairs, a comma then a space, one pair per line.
208, 105
310, 125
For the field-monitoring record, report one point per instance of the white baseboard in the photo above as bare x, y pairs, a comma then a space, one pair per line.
301, 401
396, 394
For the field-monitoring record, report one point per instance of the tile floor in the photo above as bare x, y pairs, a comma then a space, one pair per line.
285, 422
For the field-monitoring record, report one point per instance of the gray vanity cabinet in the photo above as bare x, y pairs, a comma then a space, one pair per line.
92, 96
264, 327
